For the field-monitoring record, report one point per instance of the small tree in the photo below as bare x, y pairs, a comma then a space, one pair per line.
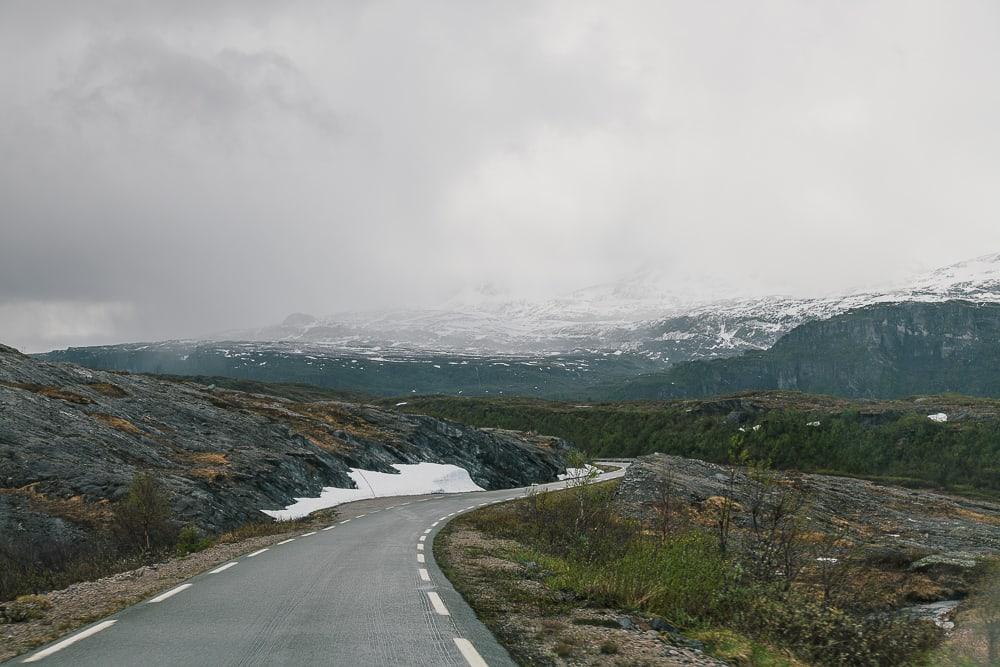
144, 516
669, 509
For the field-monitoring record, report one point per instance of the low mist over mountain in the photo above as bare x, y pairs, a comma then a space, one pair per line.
589, 343
645, 314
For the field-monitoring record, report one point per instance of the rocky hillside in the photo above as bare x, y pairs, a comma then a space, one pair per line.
884, 351
72, 438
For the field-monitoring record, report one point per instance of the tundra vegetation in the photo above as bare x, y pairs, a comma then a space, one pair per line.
748, 574
889, 441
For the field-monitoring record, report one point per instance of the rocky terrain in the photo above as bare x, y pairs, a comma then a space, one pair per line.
924, 524
72, 438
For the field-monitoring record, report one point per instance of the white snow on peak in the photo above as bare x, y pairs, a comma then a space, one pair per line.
651, 312
413, 480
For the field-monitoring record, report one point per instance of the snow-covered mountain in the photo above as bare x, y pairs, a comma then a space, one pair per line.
644, 314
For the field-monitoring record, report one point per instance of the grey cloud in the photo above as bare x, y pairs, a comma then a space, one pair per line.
178, 168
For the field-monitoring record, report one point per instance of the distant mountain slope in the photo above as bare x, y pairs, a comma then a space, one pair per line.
886, 350
380, 372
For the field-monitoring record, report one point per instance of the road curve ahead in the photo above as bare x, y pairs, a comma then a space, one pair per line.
363, 591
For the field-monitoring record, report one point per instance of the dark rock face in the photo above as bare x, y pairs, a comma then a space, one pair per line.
882, 351
879, 516
71, 440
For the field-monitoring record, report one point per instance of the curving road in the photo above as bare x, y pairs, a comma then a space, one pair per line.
362, 591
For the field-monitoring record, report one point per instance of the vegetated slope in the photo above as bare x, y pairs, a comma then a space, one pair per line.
71, 440
378, 372
880, 351
891, 440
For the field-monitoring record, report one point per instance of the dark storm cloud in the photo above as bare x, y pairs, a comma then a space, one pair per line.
175, 168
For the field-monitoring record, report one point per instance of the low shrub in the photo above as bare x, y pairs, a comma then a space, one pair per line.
191, 540
24, 608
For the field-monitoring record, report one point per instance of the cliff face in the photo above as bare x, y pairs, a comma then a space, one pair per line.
72, 438
880, 351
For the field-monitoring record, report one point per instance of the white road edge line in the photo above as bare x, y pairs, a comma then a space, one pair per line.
307, 534
470, 653
424, 574
420, 558
330, 527
169, 594
224, 567
345, 521
438, 604
257, 553
420, 547
427, 531
435, 523
290, 539
46, 652
423, 537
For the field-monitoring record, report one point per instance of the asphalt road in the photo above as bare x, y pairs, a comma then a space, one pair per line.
363, 591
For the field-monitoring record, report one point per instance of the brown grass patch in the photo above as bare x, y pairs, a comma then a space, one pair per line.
75, 508
210, 458
108, 389
117, 423
52, 392
209, 474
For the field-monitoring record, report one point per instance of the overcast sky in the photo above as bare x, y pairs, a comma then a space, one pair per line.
176, 168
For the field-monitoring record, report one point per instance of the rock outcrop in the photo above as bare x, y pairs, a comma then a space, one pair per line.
915, 521
72, 438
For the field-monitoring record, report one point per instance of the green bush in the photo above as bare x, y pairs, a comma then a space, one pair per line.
191, 540
826, 635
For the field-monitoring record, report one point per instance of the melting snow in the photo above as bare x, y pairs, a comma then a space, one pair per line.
938, 417
577, 473
412, 480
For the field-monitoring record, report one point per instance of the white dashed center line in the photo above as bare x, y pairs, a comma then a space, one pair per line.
420, 558
438, 604
345, 521
424, 575
420, 547
427, 531
423, 537
224, 567
470, 653
169, 594
257, 553
46, 652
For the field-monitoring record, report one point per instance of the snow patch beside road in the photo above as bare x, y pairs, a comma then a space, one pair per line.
412, 480
578, 473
